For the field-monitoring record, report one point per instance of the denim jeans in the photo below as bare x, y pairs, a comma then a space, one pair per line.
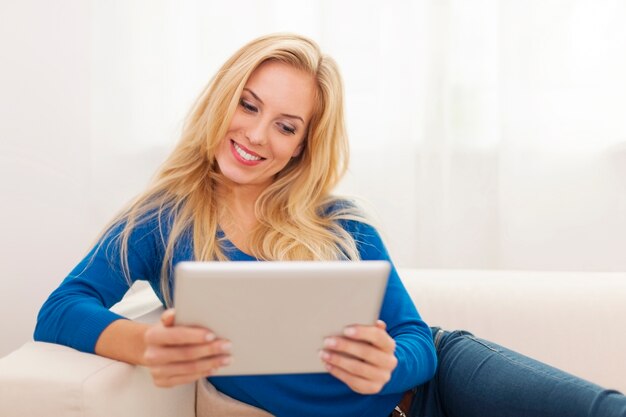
477, 378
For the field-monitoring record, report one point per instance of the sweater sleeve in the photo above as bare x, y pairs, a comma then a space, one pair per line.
415, 350
77, 312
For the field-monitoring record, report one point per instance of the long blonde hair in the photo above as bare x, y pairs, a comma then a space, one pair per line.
294, 220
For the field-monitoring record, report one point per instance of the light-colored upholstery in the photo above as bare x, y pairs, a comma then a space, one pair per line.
575, 321
43, 379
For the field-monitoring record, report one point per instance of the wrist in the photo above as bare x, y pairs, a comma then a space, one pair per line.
123, 340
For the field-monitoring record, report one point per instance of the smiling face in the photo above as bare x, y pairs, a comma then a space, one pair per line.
269, 125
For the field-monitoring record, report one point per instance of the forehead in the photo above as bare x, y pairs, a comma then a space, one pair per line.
283, 88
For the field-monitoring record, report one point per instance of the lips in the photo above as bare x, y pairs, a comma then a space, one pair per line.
245, 155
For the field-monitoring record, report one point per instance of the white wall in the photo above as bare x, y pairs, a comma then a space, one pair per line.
44, 154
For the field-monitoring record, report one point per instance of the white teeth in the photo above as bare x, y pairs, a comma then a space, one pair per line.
245, 155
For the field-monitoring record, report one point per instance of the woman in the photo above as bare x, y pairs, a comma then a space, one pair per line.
251, 179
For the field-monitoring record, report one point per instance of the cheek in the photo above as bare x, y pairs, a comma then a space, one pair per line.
285, 151
290, 146
236, 122
236, 125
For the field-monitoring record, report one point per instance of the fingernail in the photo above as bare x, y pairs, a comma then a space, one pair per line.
349, 331
226, 347
330, 342
209, 337
324, 355
227, 360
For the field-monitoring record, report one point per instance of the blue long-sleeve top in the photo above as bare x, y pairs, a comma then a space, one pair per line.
77, 312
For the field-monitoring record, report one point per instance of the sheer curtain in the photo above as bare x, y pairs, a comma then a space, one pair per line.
522, 162
485, 134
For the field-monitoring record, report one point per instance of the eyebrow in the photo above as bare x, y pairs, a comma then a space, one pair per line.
291, 116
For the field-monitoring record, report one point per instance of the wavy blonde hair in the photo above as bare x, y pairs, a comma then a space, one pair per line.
294, 220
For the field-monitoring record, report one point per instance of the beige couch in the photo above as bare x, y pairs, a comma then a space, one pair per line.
575, 321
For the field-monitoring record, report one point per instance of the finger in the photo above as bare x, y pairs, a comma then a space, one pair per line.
190, 369
177, 380
177, 335
157, 355
167, 318
381, 324
361, 351
355, 366
371, 334
357, 384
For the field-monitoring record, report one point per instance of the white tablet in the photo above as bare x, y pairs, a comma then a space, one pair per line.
277, 314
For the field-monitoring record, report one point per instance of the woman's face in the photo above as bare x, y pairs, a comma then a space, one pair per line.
269, 125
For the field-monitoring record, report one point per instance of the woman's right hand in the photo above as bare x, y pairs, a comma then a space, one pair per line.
180, 355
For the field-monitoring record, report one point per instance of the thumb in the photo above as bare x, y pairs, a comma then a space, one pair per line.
167, 318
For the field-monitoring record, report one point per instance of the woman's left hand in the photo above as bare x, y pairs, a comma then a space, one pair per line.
363, 357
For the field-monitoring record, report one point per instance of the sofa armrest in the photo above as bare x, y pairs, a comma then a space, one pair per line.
53, 380
47, 379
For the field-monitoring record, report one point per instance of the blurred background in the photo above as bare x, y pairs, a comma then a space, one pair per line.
485, 134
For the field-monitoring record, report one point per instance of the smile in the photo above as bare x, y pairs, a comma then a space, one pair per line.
245, 155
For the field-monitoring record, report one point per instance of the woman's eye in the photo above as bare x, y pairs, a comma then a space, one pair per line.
247, 106
287, 129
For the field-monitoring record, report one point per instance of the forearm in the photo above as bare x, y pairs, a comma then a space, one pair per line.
123, 340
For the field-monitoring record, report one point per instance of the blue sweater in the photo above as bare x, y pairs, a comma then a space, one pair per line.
77, 312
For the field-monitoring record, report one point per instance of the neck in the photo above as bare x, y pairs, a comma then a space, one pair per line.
236, 215
239, 198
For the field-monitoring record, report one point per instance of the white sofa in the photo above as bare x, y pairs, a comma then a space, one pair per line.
575, 321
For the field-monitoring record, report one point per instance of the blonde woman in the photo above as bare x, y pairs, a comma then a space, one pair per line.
252, 179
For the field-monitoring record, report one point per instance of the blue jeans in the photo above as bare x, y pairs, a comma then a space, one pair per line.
476, 378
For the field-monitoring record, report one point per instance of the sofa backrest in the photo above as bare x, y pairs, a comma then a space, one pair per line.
575, 321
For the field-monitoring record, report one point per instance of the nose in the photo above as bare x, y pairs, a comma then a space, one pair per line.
256, 132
